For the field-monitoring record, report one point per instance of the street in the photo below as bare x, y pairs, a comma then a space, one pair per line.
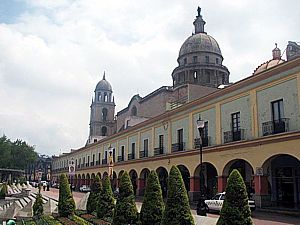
259, 218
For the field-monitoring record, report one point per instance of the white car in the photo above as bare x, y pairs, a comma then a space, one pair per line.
216, 203
85, 188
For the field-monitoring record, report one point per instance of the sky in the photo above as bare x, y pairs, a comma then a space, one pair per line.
54, 52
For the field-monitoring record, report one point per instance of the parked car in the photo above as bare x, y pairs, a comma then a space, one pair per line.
84, 188
216, 203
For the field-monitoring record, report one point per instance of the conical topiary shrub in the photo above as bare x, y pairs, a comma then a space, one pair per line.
177, 209
38, 206
126, 211
3, 191
235, 209
96, 190
106, 202
153, 204
66, 204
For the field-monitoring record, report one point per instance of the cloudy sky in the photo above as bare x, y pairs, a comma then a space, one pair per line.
53, 53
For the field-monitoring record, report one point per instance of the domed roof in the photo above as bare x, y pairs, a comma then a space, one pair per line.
103, 85
271, 63
200, 42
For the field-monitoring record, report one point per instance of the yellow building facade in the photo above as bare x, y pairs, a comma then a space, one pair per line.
252, 125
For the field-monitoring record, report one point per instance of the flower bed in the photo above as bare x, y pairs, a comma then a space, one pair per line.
66, 221
94, 220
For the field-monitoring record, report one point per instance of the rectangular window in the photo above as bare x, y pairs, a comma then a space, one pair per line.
88, 161
205, 130
114, 154
161, 141
235, 121
195, 59
93, 157
180, 136
123, 151
146, 147
277, 110
217, 61
133, 150
105, 155
207, 59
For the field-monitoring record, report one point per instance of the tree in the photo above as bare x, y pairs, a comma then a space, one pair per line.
126, 211
66, 204
38, 206
153, 204
96, 189
235, 209
177, 209
106, 203
3, 191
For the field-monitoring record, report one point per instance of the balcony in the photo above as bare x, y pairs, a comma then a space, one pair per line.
230, 136
177, 147
87, 165
104, 161
131, 156
205, 142
158, 151
121, 158
275, 126
143, 154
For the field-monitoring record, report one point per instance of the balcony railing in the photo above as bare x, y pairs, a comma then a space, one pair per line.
97, 163
205, 142
230, 136
177, 147
143, 154
121, 158
275, 126
104, 161
131, 156
158, 151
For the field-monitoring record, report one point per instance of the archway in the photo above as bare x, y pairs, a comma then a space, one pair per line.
281, 181
78, 181
99, 174
75, 181
83, 180
114, 182
185, 173
143, 181
88, 179
105, 174
209, 177
134, 178
163, 180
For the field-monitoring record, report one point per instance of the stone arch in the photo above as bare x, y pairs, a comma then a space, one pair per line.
88, 179
105, 174
99, 174
245, 169
163, 180
143, 180
280, 180
120, 174
78, 181
210, 178
83, 179
134, 179
93, 176
185, 173
114, 182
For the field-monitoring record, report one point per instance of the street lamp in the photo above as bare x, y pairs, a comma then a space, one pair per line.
201, 209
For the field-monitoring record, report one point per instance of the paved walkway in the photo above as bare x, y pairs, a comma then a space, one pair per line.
259, 218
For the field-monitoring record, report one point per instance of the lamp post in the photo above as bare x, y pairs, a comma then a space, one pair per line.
201, 209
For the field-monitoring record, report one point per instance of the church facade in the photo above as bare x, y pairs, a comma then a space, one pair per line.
252, 125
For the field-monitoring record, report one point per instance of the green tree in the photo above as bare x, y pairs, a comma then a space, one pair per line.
106, 203
38, 206
96, 189
153, 204
177, 211
126, 211
235, 209
3, 191
66, 204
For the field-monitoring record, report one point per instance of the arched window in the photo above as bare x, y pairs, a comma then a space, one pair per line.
104, 131
99, 96
104, 114
134, 111
105, 97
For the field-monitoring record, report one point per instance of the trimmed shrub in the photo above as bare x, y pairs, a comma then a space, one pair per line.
96, 190
235, 209
38, 206
177, 209
3, 191
66, 204
106, 202
153, 204
126, 211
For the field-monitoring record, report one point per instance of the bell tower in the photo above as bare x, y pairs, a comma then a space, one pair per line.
102, 118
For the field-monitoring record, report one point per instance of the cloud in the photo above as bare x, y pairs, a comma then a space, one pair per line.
54, 53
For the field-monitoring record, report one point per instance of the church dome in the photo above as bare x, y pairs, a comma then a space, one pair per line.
271, 63
200, 42
103, 85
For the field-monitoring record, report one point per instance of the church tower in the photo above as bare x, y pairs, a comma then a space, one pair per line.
102, 119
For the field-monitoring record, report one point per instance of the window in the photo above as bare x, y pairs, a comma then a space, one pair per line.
99, 96
95, 140
277, 110
180, 136
205, 130
83, 160
99, 157
123, 151
235, 121
217, 60
93, 157
195, 74
105, 97
88, 160
146, 147
104, 114
104, 131
161, 141
133, 150
105, 155
207, 59
195, 59
184, 61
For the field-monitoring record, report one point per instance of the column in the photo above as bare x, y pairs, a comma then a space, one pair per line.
194, 192
261, 191
222, 181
